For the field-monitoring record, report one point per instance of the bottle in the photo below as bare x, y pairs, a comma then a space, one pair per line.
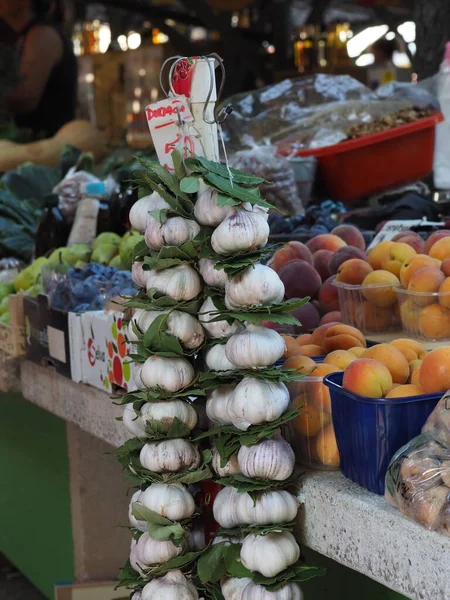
53, 229
84, 228
442, 147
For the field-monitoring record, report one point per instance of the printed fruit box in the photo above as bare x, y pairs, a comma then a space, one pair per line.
12, 337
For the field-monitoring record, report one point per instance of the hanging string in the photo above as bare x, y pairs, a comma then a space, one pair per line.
222, 141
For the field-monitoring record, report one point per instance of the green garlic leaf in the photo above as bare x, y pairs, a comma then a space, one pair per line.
190, 185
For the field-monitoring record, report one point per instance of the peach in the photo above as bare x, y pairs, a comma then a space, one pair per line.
312, 350
334, 316
357, 351
291, 251
404, 391
292, 347
376, 255
367, 377
300, 279
321, 260
351, 236
353, 271
342, 337
435, 371
303, 339
312, 420
444, 300
411, 349
318, 335
427, 281
434, 322
325, 241
396, 256
415, 264
412, 239
392, 358
435, 237
340, 358
308, 317
303, 364
328, 295
383, 294
326, 447
343, 254
370, 317
440, 249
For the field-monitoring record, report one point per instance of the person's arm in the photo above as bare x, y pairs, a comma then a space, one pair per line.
42, 50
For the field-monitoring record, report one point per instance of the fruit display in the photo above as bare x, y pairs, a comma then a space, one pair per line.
317, 220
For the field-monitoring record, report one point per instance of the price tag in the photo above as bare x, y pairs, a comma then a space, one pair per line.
171, 126
392, 228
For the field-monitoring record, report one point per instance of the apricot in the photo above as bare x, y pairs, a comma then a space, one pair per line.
303, 339
409, 314
367, 377
444, 300
435, 237
434, 372
426, 281
291, 251
326, 447
370, 317
334, 316
353, 271
300, 279
411, 266
342, 337
434, 322
303, 364
392, 358
445, 267
312, 350
328, 295
404, 391
376, 255
321, 260
396, 256
339, 358
411, 238
312, 420
292, 347
415, 375
318, 335
440, 249
343, 254
325, 241
350, 310
357, 351
382, 294
411, 349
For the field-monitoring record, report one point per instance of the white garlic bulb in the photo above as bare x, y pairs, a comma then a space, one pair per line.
225, 508
215, 329
206, 210
231, 468
173, 586
133, 558
168, 410
232, 588
152, 552
213, 277
181, 282
140, 525
262, 211
269, 508
137, 375
216, 404
138, 275
169, 456
240, 232
139, 216
136, 596
255, 401
180, 324
133, 422
289, 591
172, 501
269, 554
216, 359
256, 346
256, 286
273, 460
170, 374
173, 232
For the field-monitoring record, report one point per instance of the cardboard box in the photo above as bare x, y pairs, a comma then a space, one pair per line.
12, 337
90, 591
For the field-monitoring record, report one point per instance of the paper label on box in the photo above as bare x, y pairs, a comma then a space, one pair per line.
56, 344
392, 228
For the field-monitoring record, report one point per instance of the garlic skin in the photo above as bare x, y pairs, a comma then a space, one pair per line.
167, 410
206, 210
181, 325
255, 401
216, 404
140, 525
181, 282
215, 329
256, 346
289, 591
136, 596
213, 277
137, 375
269, 554
133, 422
169, 456
216, 359
172, 501
270, 508
240, 232
138, 275
227, 540
173, 586
272, 460
133, 559
256, 286
139, 216
152, 552
170, 374
174, 232
232, 588
231, 468
225, 508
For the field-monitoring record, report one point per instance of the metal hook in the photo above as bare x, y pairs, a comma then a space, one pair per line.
166, 62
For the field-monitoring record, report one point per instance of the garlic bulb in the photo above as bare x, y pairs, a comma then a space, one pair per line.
170, 374
172, 501
216, 359
206, 210
269, 554
141, 525
231, 468
181, 282
255, 401
138, 275
167, 410
225, 508
289, 591
173, 586
256, 286
216, 404
152, 552
240, 232
173, 232
232, 588
180, 324
136, 596
137, 375
256, 346
271, 459
215, 329
139, 216
262, 211
133, 422
213, 277
133, 558
169, 456
269, 508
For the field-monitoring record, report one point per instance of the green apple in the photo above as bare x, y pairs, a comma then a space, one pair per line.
127, 246
111, 239
4, 305
78, 252
117, 263
104, 254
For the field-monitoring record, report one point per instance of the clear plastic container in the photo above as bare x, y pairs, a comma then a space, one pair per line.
369, 308
312, 434
425, 316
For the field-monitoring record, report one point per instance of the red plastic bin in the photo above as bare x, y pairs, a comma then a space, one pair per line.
373, 163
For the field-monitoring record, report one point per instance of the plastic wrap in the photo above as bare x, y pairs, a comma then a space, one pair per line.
418, 478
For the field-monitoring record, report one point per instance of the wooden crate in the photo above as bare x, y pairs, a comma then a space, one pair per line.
12, 337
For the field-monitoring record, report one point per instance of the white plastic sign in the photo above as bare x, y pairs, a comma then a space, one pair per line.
392, 228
